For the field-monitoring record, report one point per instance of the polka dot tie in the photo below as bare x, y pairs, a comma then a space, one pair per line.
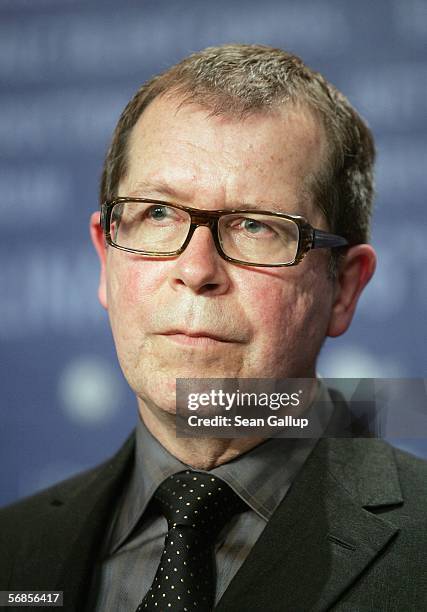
197, 506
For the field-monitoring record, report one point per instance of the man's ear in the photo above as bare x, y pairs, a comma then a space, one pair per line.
98, 240
355, 271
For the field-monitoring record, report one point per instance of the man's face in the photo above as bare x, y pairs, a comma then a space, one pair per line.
197, 315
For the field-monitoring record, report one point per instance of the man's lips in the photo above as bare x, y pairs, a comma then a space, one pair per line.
197, 337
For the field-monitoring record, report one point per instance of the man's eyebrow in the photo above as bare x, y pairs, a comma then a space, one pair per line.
146, 188
163, 189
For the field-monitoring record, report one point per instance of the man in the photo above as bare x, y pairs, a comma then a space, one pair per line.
208, 271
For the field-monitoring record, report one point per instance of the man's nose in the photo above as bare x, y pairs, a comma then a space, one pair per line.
200, 267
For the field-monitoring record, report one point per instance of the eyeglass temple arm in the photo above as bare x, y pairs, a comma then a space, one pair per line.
325, 240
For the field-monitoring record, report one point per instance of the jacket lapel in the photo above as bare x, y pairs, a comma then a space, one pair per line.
322, 536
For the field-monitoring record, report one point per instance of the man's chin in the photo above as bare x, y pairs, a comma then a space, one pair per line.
162, 408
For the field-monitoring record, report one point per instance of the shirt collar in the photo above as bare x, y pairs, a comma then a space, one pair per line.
261, 477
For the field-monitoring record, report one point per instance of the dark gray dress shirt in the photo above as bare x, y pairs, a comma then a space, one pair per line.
134, 543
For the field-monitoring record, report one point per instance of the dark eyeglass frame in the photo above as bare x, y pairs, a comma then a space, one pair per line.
309, 237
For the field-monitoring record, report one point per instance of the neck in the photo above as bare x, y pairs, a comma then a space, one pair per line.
199, 453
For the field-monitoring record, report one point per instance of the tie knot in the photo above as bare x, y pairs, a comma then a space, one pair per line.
197, 500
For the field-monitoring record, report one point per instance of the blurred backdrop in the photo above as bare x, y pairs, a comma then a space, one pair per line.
66, 70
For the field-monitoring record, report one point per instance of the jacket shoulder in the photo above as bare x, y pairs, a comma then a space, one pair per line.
412, 472
26, 513
31, 514
59, 490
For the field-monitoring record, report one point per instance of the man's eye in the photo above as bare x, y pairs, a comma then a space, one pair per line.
253, 227
158, 212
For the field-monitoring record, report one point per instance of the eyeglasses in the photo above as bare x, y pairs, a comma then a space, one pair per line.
255, 238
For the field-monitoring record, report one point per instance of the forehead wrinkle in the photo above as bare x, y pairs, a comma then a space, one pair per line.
183, 191
148, 187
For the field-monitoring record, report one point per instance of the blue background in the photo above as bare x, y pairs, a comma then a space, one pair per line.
66, 71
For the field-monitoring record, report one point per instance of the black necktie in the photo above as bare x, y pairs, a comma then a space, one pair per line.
197, 506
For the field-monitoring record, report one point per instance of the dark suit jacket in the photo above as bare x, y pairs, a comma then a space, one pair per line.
349, 536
